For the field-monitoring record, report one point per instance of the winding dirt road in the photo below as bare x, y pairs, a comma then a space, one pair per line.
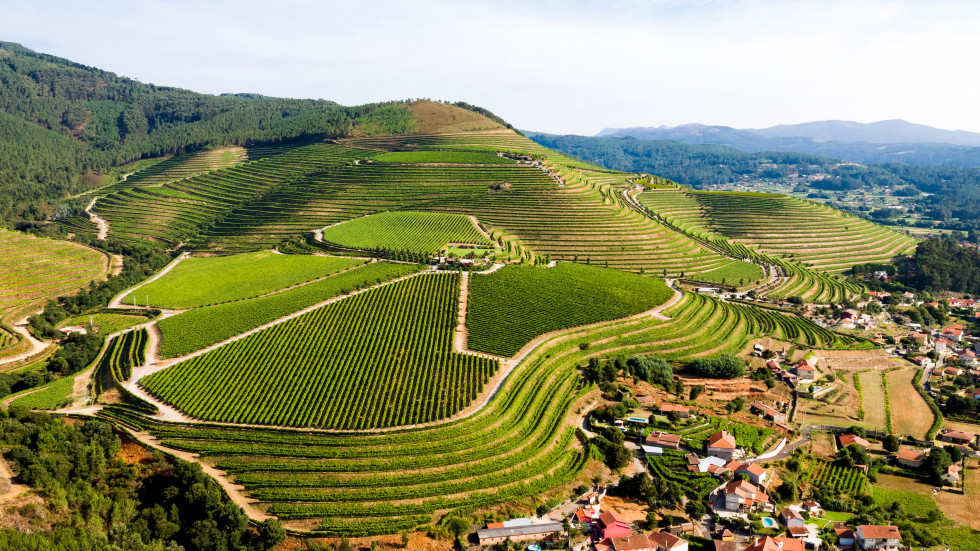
37, 346
102, 224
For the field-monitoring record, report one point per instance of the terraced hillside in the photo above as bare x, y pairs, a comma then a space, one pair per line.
377, 359
521, 444
798, 238
33, 269
813, 235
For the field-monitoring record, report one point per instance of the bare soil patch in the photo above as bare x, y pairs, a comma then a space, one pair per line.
874, 398
963, 507
631, 509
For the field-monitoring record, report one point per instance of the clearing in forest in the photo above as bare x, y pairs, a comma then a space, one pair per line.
214, 280
421, 232
508, 308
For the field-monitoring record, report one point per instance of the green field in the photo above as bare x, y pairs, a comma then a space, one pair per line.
53, 396
510, 307
449, 157
423, 232
203, 281
105, 322
377, 359
202, 327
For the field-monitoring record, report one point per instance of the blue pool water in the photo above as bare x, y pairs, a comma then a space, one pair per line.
768, 522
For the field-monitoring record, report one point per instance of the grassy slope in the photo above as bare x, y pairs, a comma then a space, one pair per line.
105, 323
508, 308
202, 281
425, 232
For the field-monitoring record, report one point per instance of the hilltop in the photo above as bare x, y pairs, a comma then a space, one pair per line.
877, 142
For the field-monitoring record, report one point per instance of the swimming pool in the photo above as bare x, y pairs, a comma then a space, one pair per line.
769, 522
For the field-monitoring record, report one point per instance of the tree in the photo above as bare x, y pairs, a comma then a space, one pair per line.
725, 366
736, 405
891, 443
405, 539
695, 510
679, 387
696, 391
344, 545
955, 455
271, 533
458, 526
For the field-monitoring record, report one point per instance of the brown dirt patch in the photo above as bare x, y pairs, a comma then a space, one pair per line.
963, 507
960, 425
874, 398
910, 413
631, 509
823, 444
725, 390
133, 452
437, 118
418, 540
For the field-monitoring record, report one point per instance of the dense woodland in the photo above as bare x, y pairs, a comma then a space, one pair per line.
98, 500
942, 265
59, 119
955, 192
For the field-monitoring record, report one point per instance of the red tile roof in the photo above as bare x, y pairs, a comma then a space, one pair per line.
878, 532
665, 540
608, 518
630, 543
721, 440
848, 439
674, 407
775, 544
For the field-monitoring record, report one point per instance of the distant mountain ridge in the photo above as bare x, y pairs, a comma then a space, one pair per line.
877, 142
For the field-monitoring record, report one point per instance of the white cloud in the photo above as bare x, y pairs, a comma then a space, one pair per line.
551, 66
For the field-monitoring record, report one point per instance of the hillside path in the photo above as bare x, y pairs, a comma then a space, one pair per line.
36, 346
101, 223
116, 301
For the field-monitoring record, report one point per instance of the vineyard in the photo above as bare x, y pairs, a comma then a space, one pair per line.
377, 359
837, 478
122, 353
443, 157
755, 439
512, 306
671, 467
204, 281
421, 232
105, 323
201, 327
33, 269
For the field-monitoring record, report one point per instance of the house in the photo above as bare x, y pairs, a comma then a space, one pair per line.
920, 338
664, 541
812, 508
851, 314
952, 475
883, 538
723, 534
775, 544
955, 335
613, 525
685, 529
722, 444
663, 440
774, 366
683, 411
69, 329
710, 464
911, 458
798, 532
922, 361
629, 543
757, 473
968, 357
975, 395
768, 412
742, 495
725, 545
791, 518
845, 537
956, 436
490, 536
848, 439
880, 294
805, 370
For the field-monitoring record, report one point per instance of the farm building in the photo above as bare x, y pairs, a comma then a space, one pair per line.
490, 536
769, 412
791, 518
883, 538
952, 475
845, 537
663, 440
683, 411
757, 473
775, 544
722, 444
812, 508
848, 439
911, 458
612, 525
805, 370
956, 436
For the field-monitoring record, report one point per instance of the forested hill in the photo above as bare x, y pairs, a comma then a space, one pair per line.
59, 119
953, 199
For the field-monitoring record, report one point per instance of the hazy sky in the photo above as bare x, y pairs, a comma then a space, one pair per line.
568, 67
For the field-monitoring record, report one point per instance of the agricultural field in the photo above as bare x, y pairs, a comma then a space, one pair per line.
442, 157
910, 413
837, 478
671, 467
510, 307
33, 269
198, 282
873, 399
201, 327
121, 355
377, 359
420, 232
105, 323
